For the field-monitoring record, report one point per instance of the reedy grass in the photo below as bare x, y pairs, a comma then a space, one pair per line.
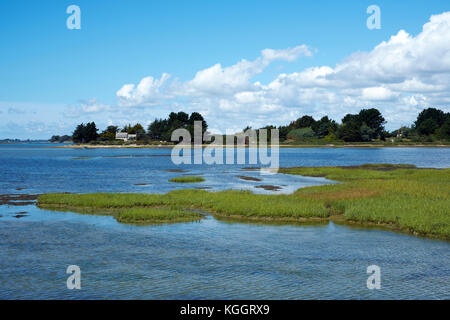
229, 202
400, 197
156, 215
412, 200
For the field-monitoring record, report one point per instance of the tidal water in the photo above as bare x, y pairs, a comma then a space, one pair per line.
210, 259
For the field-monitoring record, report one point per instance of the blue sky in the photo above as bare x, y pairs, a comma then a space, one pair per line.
52, 78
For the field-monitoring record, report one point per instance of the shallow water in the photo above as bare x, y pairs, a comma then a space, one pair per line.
210, 259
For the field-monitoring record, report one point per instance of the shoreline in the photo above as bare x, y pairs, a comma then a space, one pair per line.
336, 219
266, 220
276, 221
135, 146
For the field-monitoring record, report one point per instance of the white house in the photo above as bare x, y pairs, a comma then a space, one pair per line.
125, 136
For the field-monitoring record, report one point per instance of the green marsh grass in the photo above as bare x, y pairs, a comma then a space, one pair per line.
401, 197
156, 215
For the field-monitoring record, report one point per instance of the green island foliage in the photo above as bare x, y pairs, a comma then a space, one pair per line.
398, 197
367, 126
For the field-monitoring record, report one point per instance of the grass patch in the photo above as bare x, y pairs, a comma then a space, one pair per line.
187, 179
399, 197
156, 215
227, 203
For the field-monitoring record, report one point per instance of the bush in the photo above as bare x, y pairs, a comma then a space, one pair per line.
299, 134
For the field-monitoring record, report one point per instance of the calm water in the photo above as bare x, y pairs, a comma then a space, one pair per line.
210, 259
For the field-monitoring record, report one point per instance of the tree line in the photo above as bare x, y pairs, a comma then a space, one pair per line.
158, 130
368, 125
61, 139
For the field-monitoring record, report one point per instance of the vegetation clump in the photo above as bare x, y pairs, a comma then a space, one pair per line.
187, 179
156, 215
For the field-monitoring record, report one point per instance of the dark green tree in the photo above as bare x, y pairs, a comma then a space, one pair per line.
161, 129
78, 134
157, 129
374, 120
112, 129
324, 126
283, 132
85, 133
366, 119
305, 122
183, 117
195, 116
436, 115
444, 130
349, 132
351, 118
366, 132
91, 132
427, 127
109, 133
136, 129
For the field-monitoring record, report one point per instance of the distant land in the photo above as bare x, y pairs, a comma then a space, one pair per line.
11, 141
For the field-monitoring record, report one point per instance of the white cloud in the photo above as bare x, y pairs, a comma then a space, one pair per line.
213, 81
269, 55
399, 76
147, 92
217, 80
378, 94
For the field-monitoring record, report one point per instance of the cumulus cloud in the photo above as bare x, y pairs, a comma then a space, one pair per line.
213, 81
221, 81
399, 76
147, 92
378, 94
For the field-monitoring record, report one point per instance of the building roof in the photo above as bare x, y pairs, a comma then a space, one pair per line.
121, 135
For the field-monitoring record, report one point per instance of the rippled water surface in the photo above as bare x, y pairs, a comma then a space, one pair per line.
210, 259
